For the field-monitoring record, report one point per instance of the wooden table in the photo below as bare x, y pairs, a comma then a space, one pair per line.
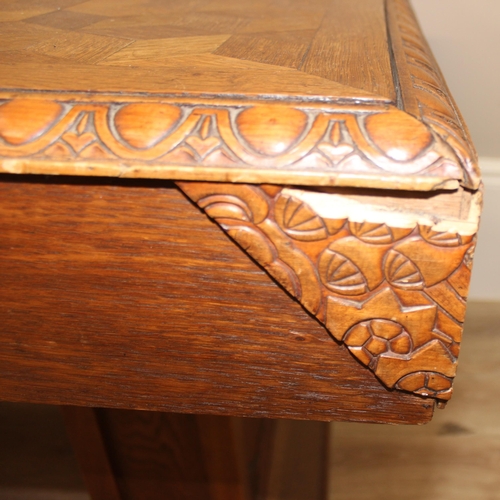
328, 281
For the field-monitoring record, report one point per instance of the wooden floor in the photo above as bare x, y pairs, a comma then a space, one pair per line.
456, 457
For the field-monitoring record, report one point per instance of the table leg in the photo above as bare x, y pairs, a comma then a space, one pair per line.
153, 455
88, 444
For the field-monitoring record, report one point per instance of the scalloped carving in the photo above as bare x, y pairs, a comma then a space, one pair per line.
18, 123
142, 125
298, 220
339, 274
257, 124
401, 272
214, 140
398, 142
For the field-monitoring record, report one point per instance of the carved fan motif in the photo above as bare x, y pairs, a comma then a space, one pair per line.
440, 239
298, 220
426, 384
340, 274
378, 234
401, 272
226, 206
372, 233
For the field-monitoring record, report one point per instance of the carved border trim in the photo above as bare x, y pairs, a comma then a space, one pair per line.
424, 91
394, 296
352, 145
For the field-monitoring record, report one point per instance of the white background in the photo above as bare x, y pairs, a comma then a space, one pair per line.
465, 38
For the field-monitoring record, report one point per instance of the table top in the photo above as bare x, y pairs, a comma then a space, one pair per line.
328, 92
239, 48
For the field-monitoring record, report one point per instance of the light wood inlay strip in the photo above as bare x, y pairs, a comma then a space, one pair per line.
351, 47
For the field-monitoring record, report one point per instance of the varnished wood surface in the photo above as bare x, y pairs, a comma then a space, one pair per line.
181, 457
36, 457
208, 46
300, 461
127, 296
351, 46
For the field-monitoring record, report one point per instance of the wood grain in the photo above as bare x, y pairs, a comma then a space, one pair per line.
228, 478
24, 9
392, 462
200, 73
164, 455
122, 294
300, 461
262, 47
36, 455
79, 48
18, 36
89, 446
156, 52
353, 31
339, 94
260, 59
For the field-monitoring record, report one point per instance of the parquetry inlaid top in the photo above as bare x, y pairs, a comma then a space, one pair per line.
324, 92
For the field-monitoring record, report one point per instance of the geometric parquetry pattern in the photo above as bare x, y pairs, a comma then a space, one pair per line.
395, 297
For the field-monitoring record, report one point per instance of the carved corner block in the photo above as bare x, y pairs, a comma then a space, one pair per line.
390, 286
